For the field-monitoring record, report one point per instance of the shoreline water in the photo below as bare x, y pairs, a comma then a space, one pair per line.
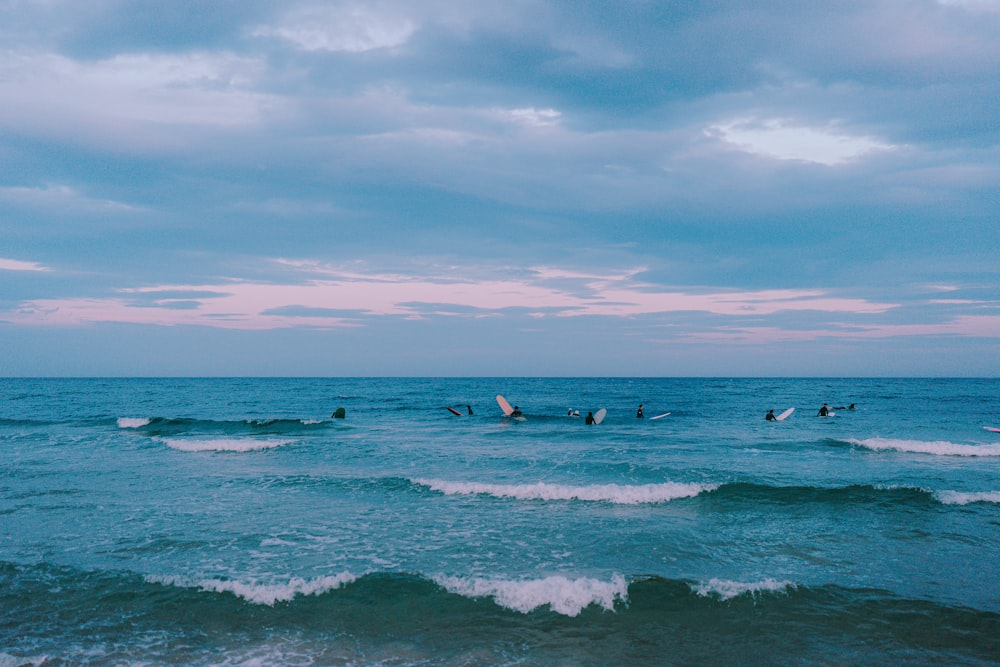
235, 522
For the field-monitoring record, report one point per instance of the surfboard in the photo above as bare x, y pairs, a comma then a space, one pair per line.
992, 428
659, 416
784, 415
599, 415
828, 414
453, 410
504, 405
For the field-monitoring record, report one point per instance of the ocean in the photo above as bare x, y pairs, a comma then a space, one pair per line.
236, 522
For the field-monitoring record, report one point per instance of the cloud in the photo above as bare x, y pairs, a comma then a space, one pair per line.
785, 140
967, 326
131, 99
18, 265
331, 297
352, 28
61, 198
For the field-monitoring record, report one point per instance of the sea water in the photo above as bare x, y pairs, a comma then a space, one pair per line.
235, 522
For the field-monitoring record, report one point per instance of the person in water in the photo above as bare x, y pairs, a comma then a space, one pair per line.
469, 408
516, 412
573, 413
770, 416
823, 411
590, 418
638, 414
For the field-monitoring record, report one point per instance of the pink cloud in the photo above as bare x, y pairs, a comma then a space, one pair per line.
972, 326
19, 265
336, 298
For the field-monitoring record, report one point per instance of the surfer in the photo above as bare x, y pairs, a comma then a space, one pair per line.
770, 416
638, 414
573, 413
823, 411
516, 412
469, 408
851, 406
590, 418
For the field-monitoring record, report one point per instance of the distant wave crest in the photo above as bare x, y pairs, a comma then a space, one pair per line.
133, 422
725, 589
563, 595
221, 444
937, 448
258, 593
960, 498
612, 493
174, 426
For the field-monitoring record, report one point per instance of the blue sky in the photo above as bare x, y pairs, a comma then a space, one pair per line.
500, 188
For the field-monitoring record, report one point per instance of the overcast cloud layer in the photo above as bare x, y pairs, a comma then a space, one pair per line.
500, 188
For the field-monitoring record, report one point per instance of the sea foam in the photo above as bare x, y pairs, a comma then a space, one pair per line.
612, 493
960, 498
7, 660
727, 590
132, 422
258, 593
563, 595
938, 447
221, 444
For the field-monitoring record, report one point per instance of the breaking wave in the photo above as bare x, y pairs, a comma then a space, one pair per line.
962, 498
724, 589
612, 493
221, 444
259, 593
937, 447
562, 595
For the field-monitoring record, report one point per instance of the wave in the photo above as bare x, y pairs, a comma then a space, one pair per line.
612, 493
133, 422
965, 498
8, 660
556, 619
184, 425
258, 593
562, 595
221, 444
937, 448
725, 589
729, 492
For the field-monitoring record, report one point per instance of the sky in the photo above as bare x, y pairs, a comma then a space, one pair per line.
517, 188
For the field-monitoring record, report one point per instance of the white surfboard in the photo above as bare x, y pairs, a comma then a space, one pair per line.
599, 415
504, 405
659, 416
784, 415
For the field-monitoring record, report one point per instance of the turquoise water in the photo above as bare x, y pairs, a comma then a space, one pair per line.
234, 522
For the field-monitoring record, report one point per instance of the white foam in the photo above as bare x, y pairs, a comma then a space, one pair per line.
276, 542
259, 593
726, 590
960, 498
612, 493
938, 447
564, 596
221, 444
132, 422
7, 660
